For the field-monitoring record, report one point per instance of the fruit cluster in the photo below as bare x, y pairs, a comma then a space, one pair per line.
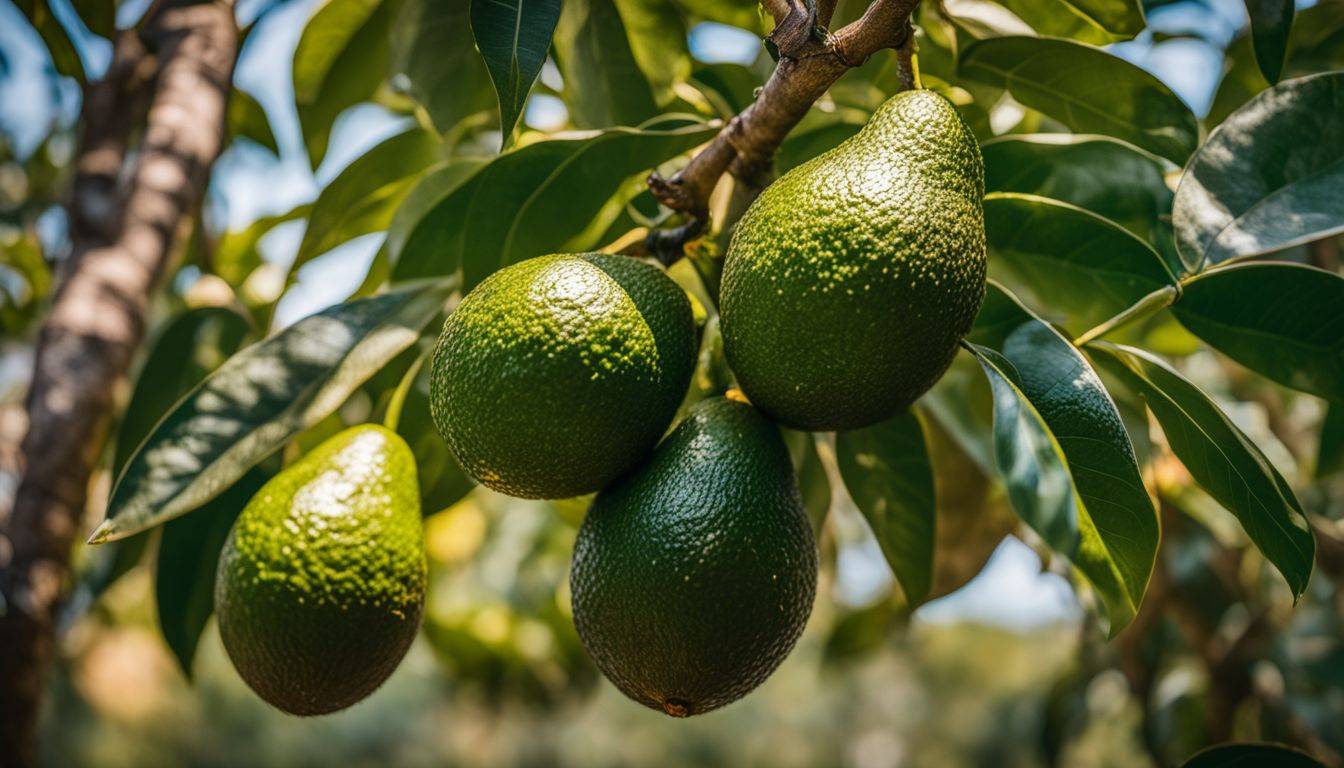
846, 289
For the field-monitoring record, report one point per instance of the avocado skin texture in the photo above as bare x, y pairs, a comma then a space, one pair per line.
321, 583
557, 374
850, 281
693, 576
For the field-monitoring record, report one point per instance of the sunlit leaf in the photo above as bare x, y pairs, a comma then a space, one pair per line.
248, 119
1271, 176
435, 59
604, 85
513, 37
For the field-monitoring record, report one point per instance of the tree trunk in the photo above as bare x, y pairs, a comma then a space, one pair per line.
123, 224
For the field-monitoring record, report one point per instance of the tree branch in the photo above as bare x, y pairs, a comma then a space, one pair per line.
809, 64
123, 235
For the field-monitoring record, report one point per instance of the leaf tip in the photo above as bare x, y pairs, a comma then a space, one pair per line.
104, 533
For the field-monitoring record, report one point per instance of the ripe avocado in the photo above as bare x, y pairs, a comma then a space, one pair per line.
694, 574
321, 582
557, 374
850, 280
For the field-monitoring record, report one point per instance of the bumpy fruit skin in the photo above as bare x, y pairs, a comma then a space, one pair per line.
557, 374
694, 575
321, 583
851, 279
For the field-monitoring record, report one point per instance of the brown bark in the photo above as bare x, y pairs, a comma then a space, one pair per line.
808, 65
123, 226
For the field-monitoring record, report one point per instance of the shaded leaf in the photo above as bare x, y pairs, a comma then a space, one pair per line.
433, 51
1086, 89
443, 482
258, 400
1249, 755
1271, 20
100, 16
604, 85
1000, 314
248, 119
887, 472
184, 580
1284, 321
1221, 459
64, 56
1271, 176
1071, 259
365, 194
513, 37
1330, 452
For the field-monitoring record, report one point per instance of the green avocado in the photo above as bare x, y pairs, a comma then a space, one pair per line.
557, 374
694, 574
321, 582
850, 281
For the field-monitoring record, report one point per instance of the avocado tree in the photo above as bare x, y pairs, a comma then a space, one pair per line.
1008, 282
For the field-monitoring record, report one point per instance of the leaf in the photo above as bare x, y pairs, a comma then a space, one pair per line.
802, 146
1221, 459
341, 58
258, 400
443, 482
1270, 177
730, 86
1271, 21
184, 581
100, 16
64, 56
513, 37
364, 195
1073, 260
604, 85
657, 36
1330, 452
248, 119
1285, 321
1103, 175
236, 254
435, 56
887, 472
1000, 315
1086, 89
1088, 21
1247, 755
530, 201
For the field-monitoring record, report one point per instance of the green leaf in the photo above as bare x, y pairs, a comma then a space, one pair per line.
64, 56
236, 254
813, 484
802, 146
100, 16
258, 400
443, 482
363, 197
1088, 21
1103, 175
1221, 459
731, 87
1330, 453
1271, 21
1000, 314
1270, 177
604, 85
657, 35
533, 200
745, 14
1086, 89
184, 580
1285, 321
435, 55
1073, 260
341, 58
1247, 755
513, 37
248, 119
887, 472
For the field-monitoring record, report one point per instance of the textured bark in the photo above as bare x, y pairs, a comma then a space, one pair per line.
124, 223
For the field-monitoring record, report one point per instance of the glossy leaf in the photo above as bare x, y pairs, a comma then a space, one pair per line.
1285, 321
258, 400
887, 472
1089, 21
64, 56
1074, 261
184, 579
364, 195
1221, 459
482, 222
435, 58
1103, 175
1086, 89
604, 85
513, 37
1247, 755
1271, 176
341, 58
248, 119
1271, 21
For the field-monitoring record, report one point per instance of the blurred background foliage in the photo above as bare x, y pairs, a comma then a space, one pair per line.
1004, 666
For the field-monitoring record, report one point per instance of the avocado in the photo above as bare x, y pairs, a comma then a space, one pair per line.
321, 582
559, 373
850, 281
694, 574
